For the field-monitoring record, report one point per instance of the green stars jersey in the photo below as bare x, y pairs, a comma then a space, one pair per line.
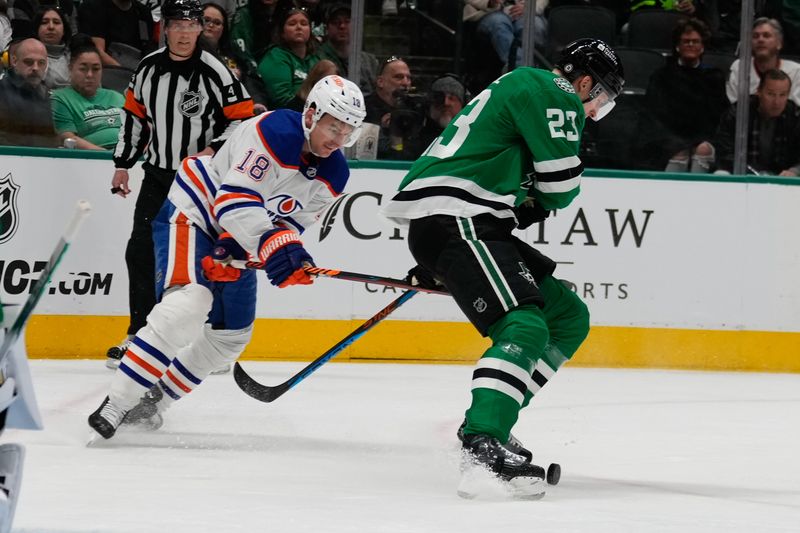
519, 137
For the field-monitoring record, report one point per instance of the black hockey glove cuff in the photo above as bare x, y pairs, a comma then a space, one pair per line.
419, 276
529, 213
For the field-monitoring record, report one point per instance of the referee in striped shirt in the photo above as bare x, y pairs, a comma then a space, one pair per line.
181, 101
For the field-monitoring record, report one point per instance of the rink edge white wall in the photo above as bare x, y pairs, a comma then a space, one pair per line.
677, 272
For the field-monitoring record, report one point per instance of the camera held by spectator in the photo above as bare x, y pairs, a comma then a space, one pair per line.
408, 116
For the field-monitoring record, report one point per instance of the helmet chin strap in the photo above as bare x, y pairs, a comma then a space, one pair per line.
308, 134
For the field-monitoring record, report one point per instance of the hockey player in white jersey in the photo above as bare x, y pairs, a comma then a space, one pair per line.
271, 179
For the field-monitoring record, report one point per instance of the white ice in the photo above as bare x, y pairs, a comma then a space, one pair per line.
371, 448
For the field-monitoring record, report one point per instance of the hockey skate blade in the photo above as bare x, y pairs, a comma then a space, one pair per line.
94, 439
526, 488
478, 482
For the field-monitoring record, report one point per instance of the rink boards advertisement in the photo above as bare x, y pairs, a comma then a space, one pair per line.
676, 272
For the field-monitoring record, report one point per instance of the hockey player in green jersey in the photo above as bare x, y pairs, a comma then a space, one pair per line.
506, 161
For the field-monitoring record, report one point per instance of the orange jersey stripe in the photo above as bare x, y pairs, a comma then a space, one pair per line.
180, 270
133, 105
192, 176
231, 195
177, 382
144, 364
239, 110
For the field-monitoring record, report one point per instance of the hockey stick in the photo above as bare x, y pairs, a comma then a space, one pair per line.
39, 287
264, 393
347, 276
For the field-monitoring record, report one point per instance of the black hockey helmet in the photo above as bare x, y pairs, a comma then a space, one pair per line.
598, 60
182, 10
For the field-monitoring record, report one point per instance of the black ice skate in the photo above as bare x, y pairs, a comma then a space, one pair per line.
513, 445
523, 479
106, 419
145, 414
115, 354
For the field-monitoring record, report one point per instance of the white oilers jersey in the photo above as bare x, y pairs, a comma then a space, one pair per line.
259, 179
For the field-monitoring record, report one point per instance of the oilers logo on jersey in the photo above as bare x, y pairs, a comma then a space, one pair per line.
283, 205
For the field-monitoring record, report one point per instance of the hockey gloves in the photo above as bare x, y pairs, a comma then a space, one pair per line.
530, 212
419, 276
284, 257
225, 249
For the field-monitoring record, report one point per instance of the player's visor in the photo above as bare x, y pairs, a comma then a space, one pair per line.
341, 133
599, 104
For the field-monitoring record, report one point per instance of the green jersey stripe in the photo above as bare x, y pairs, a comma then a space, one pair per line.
470, 187
488, 264
555, 165
452, 192
508, 367
557, 186
544, 369
499, 386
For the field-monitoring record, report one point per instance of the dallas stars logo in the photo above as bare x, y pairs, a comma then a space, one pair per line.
564, 85
526, 274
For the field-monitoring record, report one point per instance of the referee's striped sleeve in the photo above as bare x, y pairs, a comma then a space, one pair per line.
134, 132
237, 105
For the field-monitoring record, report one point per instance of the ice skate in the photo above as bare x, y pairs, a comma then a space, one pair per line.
145, 414
115, 354
513, 445
482, 454
106, 419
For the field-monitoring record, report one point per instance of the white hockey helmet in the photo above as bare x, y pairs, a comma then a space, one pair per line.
340, 98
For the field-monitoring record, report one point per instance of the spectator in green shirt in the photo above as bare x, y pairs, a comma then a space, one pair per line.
287, 64
84, 111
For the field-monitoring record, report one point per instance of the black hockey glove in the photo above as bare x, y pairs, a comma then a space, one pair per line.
419, 276
529, 213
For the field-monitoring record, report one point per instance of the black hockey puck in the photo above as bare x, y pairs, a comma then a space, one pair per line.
553, 474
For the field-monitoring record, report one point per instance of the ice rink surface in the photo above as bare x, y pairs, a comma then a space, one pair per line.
371, 448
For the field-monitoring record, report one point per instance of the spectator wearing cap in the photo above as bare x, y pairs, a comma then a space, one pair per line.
446, 99
767, 40
286, 65
336, 47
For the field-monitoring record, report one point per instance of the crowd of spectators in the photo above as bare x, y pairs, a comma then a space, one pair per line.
279, 48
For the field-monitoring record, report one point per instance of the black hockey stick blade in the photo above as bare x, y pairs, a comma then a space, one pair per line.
265, 393
348, 276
